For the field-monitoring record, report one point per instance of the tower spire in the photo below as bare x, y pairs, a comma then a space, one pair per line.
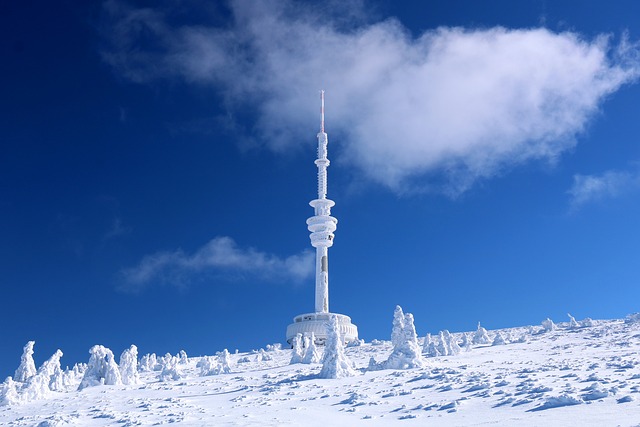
322, 111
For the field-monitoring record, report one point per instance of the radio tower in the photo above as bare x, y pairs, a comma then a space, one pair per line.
321, 225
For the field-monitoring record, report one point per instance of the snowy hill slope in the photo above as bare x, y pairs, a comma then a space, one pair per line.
587, 376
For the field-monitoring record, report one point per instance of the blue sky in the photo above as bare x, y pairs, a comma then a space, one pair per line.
157, 164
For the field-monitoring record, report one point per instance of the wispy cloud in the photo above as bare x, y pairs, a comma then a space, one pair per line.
594, 188
222, 257
450, 106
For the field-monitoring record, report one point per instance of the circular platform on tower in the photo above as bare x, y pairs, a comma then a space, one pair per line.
317, 323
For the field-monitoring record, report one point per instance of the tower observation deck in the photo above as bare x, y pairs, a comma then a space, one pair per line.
321, 225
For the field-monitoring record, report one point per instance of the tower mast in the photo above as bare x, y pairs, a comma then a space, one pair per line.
322, 224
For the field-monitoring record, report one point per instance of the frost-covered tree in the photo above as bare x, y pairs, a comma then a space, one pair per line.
224, 360
397, 330
586, 323
498, 339
101, 369
129, 366
48, 377
548, 325
467, 342
573, 324
481, 336
335, 363
442, 345
27, 367
406, 351
450, 342
208, 366
9, 392
171, 370
430, 347
148, 363
297, 352
311, 353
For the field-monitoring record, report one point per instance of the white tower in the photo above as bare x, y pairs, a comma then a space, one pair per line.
321, 225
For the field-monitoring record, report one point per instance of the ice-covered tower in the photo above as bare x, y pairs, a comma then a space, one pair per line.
322, 225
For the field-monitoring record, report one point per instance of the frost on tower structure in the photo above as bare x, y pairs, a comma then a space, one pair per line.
322, 225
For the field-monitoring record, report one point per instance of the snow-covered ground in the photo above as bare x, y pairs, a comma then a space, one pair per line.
572, 376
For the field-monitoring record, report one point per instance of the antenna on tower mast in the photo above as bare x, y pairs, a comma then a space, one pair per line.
322, 111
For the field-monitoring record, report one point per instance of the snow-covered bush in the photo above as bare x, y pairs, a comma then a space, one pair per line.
586, 322
209, 366
298, 350
450, 343
9, 392
27, 367
101, 369
573, 324
224, 360
129, 366
274, 347
481, 336
335, 363
148, 363
548, 325
263, 356
311, 353
406, 351
47, 378
183, 357
632, 318
498, 339
171, 370
467, 342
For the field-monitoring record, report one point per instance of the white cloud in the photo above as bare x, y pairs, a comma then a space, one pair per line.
451, 106
220, 256
594, 188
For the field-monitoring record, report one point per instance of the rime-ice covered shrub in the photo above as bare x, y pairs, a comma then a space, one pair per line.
27, 367
573, 324
208, 365
9, 392
632, 318
355, 343
430, 347
262, 356
335, 363
148, 363
183, 359
450, 343
311, 353
48, 377
467, 342
216, 365
298, 351
244, 359
101, 369
170, 368
498, 339
406, 351
224, 360
274, 347
129, 366
548, 325
586, 323
481, 336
